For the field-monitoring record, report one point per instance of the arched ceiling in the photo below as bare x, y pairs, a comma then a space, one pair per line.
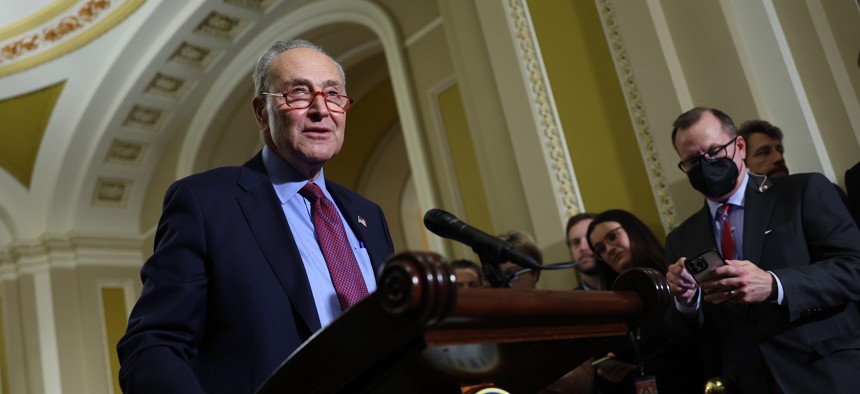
137, 76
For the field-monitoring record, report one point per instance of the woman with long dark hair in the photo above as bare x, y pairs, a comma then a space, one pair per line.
622, 241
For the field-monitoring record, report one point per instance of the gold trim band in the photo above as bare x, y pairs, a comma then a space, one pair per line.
13, 55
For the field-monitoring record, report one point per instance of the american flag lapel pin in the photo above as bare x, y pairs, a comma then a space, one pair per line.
361, 221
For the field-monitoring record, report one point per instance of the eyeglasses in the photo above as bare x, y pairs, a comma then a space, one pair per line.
611, 236
716, 153
300, 99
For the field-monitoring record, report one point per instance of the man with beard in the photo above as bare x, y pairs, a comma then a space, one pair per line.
765, 153
590, 277
790, 321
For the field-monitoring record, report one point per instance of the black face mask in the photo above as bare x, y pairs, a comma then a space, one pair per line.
714, 178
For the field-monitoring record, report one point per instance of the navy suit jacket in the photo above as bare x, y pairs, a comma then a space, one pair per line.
797, 227
225, 296
852, 189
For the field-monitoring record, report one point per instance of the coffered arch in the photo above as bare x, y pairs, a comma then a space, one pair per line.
165, 94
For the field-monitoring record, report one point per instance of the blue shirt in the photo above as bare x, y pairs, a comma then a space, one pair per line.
287, 182
736, 217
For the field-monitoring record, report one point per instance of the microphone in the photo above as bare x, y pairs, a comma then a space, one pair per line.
485, 245
763, 185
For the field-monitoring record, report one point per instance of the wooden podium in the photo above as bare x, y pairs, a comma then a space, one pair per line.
419, 333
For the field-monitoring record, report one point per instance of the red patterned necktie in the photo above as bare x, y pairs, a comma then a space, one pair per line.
342, 265
728, 244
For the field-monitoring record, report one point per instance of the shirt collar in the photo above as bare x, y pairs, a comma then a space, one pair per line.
286, 180
736, 199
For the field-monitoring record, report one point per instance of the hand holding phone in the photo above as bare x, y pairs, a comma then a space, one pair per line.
702, 268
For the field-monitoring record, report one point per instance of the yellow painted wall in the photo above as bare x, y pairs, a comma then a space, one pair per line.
367, 123
25, 118
4, 366
462, 152
115, 315
600, 137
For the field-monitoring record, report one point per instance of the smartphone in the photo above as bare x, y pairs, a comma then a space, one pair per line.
606, 362
702, 268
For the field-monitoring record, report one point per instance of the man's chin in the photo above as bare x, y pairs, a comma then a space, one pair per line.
587, 267
777, 173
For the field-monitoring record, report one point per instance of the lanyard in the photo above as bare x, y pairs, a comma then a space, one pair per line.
635, 338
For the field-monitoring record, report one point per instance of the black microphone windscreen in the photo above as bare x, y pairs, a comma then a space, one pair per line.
440, 222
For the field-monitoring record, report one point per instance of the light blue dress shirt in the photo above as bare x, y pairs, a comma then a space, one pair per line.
736, 217
287, 182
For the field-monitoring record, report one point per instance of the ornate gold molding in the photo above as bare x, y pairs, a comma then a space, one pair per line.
636, 108
44, 15
561, 168
65, 33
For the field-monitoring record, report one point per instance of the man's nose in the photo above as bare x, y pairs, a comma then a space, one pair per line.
779, 157
319, 105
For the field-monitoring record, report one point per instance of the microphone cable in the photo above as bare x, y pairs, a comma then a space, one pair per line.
548, 267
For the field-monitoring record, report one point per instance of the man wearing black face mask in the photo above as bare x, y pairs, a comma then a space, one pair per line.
791, 284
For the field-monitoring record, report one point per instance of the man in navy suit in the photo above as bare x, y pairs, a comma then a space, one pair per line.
790, 319
238, 280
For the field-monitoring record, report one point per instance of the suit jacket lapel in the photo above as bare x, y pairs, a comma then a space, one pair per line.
758, 204
266, 219
702, 224
347, 209
351, 213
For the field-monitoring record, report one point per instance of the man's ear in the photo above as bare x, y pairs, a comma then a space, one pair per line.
742, 148
260, 113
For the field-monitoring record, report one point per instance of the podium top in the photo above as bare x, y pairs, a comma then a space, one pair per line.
418, 331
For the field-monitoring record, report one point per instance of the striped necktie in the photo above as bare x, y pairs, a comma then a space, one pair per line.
727, 242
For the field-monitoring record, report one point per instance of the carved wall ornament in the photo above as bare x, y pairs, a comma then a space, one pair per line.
549, 122
636, 108
62, 34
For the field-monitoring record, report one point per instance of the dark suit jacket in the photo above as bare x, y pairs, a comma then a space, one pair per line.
225, 296
852, 189
797, 227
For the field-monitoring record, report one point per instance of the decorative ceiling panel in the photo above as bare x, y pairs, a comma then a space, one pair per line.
126, 152
194, 56
112, 192
168, 86
254, 5
144, 118
222, 26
